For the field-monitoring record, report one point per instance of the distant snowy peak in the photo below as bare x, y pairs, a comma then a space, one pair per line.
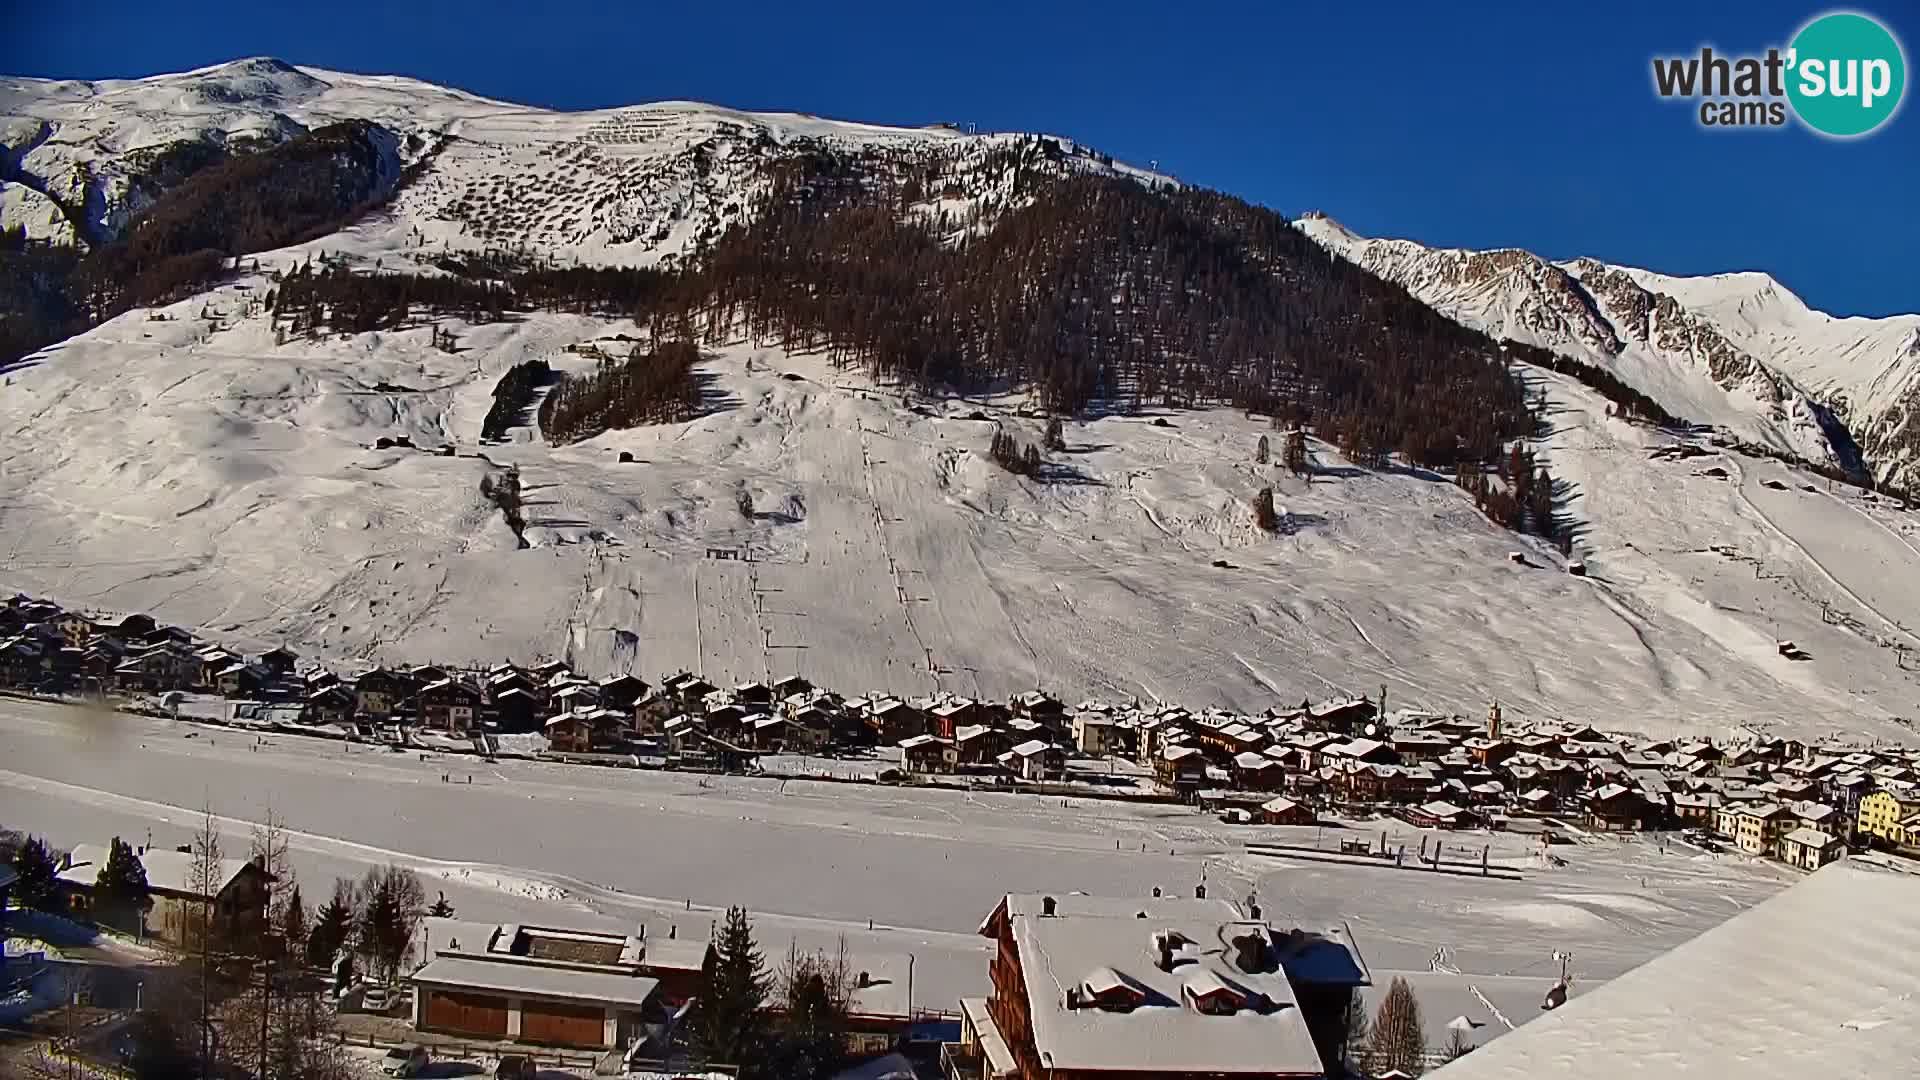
1736, 350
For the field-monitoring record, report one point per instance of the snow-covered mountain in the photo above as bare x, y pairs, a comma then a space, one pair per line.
1737, 351
614, 186
194, 460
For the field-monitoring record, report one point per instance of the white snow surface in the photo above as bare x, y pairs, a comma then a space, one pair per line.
607, 849
1814, 982
1738, 350
194, 469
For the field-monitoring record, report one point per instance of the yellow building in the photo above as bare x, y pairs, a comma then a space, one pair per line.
1881, 814
1755, 829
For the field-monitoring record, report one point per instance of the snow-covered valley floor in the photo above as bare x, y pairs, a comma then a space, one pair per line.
814, 862
195, 469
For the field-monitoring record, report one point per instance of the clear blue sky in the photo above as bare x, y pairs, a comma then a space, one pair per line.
1480, 124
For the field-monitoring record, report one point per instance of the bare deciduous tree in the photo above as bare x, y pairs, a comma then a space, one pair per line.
1397, 1040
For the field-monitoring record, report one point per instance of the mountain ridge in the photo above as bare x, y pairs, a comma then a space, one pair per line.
1737, 350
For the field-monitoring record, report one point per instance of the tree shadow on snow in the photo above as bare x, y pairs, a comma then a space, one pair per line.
1564, 523
713, 399
1054, 472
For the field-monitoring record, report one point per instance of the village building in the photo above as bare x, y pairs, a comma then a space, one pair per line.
280, 662
1882, 814
1098, 735
1043, 710
622, 692
177, 893
1036, 760
515, 710
1439, 815
689, 690
1087, 988
978, 744
329, 705
1286, 811
929, 754
1615, 807
1181, 768
378, 693
1419, 745
162, 667
893, 720
582, 992
1754, 827
1343, 715
1257, 772
448, 705
1809, 849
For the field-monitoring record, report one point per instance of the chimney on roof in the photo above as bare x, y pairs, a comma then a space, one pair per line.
1200, 891
1250, 953
863, 980
1156, 892
1163, 950
1047, 906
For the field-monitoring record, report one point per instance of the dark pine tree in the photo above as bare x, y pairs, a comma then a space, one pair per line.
331, 927
730, 1022
120, 892
36, 874
293, 923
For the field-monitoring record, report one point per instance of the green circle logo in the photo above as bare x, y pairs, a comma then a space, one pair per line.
1846, 74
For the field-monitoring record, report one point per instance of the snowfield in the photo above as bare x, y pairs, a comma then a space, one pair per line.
814, 862
182, 463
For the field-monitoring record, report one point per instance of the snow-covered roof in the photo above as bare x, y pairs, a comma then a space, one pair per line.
502, 976
1270, 1036
167, 870
1813, 838
1817, 981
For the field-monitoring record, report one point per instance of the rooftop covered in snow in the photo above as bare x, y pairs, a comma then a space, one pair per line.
1817, 981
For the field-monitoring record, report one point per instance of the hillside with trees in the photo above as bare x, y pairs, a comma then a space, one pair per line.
1097, 293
